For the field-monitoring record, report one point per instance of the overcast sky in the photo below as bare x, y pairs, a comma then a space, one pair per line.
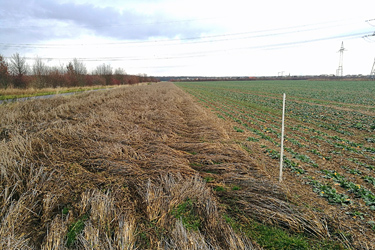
194, 37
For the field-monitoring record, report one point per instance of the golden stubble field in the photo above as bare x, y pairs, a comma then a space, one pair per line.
144, 167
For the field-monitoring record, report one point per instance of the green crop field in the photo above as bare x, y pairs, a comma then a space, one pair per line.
330, 125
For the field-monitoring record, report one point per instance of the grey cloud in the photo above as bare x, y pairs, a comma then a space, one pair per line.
109, 22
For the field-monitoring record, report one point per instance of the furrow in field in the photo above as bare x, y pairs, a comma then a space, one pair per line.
314, 142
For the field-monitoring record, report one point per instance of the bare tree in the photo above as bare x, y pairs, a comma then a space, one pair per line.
39, 67
120, 76
103, 70
76, 71
40, 71
120, 71
18, 65
70, 69
79, 67
4, 73
18, 68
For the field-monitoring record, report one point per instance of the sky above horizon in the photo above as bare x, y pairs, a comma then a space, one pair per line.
194, 38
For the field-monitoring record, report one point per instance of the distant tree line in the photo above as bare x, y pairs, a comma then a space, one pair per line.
16, 73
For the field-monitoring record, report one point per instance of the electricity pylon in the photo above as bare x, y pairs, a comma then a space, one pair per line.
372, 74
368, 38
339, 71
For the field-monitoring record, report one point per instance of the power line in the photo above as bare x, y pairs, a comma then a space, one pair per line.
202, 53
370, 22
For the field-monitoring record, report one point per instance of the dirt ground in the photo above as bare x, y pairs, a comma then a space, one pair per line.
145, 167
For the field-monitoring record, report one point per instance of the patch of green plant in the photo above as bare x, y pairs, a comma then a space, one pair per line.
195, 164
252, 139
303, 158
315, 165
355, 171
266, 137
219, 188
211, 171
315, 152
208, 179
356, 214
74, 229
220, 116
159, 231
298, 170
238, 129
370, 179
330, 193
272, 153
144, 239
358, 125
356, 189
335, 152
289, 163
235, 188
293, 166
186, 212
369, 149
295, 142
362, 163
347, 147
372, 223
66, 209
272, 237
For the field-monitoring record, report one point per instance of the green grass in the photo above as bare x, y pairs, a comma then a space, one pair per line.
74, 229
219, 188
208, 179
65, 211
185, 211
11, 97
275, 238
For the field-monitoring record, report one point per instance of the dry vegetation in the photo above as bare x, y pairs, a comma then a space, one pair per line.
136, 168
32, 91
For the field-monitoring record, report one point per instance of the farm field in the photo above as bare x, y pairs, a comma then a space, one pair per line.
329, 143
152, 167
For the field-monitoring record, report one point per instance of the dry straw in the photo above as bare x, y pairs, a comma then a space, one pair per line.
114, 170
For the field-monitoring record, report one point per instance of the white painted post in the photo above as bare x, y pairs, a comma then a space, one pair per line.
282, 141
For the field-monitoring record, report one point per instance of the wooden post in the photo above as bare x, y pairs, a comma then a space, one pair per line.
282, 141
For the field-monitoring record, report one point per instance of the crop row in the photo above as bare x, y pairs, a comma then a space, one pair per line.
318, 138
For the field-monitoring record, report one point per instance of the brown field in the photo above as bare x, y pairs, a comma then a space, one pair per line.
10, 93
146, 167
